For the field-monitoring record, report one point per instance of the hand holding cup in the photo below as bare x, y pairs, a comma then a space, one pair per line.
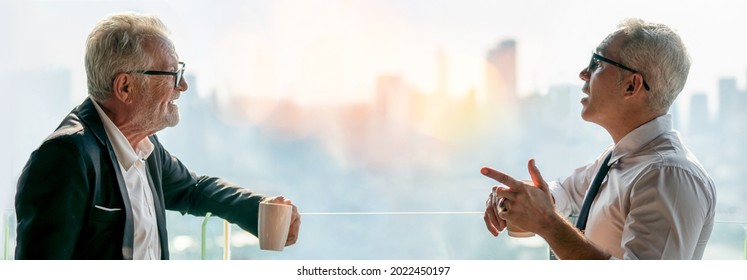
278, 223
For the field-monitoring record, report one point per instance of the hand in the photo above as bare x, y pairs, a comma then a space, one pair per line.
494, 223
295, 218
527, 206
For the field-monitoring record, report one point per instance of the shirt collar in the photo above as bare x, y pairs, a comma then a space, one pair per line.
126, 155
641, 136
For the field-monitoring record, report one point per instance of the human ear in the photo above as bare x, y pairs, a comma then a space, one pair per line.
635, 84
123, 86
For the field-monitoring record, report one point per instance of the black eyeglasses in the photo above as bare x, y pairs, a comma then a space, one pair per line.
177, 75
595, 58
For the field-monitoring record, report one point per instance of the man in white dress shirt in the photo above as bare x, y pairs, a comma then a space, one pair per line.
656, 200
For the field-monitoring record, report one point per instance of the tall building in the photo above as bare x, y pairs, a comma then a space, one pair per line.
500, 75
699, 118
729, 98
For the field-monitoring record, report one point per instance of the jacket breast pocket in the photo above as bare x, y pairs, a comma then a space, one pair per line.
102, 233
106, 214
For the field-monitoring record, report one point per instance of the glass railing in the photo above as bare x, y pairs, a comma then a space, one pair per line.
378, 236
413, 235
9, 233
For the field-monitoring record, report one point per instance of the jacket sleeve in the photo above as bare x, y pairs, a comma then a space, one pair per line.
185, 192
51, 202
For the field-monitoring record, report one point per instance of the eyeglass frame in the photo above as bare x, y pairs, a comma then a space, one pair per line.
618, 64
178, 74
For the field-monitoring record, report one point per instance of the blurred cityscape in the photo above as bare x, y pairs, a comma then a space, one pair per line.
404, 150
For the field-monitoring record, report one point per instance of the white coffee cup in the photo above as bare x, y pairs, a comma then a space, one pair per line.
274, 223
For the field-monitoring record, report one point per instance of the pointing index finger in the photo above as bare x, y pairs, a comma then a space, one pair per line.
500, 177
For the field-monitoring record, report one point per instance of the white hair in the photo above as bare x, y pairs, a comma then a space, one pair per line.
659, 54
115, 45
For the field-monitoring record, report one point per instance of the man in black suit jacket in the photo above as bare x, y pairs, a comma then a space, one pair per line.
98, 187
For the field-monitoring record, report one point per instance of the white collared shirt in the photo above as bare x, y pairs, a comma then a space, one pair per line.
132, 164
657, 201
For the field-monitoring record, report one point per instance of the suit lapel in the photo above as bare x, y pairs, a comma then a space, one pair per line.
158, 204
88, 115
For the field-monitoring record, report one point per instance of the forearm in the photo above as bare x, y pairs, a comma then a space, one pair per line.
229, 201
568, 243
223, 199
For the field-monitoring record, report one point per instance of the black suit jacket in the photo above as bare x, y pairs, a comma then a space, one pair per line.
75, 170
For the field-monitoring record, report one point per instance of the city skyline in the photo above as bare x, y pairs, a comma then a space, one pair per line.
395, 101
382, 105
270, 155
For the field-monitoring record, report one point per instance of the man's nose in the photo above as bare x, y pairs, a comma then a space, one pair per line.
584, 74
183, 86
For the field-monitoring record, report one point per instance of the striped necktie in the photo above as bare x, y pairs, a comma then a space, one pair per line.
592, 193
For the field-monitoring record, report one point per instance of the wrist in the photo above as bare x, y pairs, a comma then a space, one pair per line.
550, 225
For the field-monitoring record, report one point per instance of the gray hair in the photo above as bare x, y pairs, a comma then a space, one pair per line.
660, 55
115, 45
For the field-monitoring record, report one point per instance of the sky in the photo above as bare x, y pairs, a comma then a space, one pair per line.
333, 50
